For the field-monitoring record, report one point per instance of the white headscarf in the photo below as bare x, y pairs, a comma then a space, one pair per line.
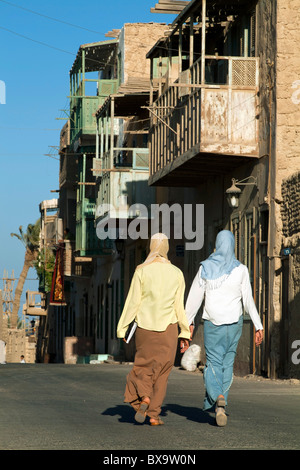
159, 247
217, 267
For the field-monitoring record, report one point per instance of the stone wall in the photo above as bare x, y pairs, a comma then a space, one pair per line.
287, 90
291, 205
18, 344
287, 101
139, 38
291, 239
284, 155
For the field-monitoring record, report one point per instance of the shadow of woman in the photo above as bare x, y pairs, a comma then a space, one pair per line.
126, 413
191, 413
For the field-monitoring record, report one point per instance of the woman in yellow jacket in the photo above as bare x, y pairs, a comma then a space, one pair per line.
155, 302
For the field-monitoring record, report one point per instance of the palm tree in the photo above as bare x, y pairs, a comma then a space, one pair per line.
30, 240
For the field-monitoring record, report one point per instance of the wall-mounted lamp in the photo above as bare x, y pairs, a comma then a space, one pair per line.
233, 193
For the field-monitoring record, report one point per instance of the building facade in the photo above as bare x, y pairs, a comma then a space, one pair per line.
104, 162
226, 123
201, 112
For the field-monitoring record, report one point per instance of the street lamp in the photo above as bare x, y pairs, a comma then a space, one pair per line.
233, 193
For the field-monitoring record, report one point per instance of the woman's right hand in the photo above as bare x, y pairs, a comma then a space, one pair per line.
184, 345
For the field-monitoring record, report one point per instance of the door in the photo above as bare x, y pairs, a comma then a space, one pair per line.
285, 317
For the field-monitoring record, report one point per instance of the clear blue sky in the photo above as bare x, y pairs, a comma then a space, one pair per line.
37, 86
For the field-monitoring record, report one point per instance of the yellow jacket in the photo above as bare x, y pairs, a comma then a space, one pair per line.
155, 300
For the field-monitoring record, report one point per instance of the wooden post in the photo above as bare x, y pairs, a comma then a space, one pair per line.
180, 50
1, 318
83, 72
106, 130
160, 73
83, 220
101, 140
97, 137
112, 119
203, 42
151, 82
191, 40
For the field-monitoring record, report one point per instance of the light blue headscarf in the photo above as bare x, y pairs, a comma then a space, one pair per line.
219, 264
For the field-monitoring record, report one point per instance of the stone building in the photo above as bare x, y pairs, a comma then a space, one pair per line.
215, 104
230, 88
104, 159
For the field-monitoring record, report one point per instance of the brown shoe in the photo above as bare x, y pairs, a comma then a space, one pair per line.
141, 413
156, 422
221, 417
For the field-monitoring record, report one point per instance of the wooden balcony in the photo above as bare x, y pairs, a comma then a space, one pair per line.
87, 93
121, 165
87, 243
84, 107
35, 304
124, 192
200, 130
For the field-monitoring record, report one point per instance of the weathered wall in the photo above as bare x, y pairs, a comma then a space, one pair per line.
290, 206
287, 142
138, 39
287, 90
291, 231
19, 344
278, 37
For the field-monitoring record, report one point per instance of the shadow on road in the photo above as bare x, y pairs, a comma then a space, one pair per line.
191, 413
126, 413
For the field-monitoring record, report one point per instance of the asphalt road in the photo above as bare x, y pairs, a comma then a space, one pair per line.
80, 407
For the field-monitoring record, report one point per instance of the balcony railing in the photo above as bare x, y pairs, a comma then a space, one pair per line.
87, 243
124, 186
84, 107
35, 304
217, 115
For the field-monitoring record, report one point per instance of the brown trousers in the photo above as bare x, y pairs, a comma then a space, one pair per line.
153, 362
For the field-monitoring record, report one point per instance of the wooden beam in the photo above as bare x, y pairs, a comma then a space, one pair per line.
168, 6
168, 12
165, 6
157, 117
173, 3
104, 170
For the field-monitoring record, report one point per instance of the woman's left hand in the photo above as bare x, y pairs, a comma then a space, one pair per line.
259, 335
184, 345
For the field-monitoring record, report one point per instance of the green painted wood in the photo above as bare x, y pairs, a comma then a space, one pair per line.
84, 107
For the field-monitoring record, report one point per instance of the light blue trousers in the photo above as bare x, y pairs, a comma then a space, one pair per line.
220, 344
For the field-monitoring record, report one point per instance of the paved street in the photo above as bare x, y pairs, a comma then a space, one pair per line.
80, 407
